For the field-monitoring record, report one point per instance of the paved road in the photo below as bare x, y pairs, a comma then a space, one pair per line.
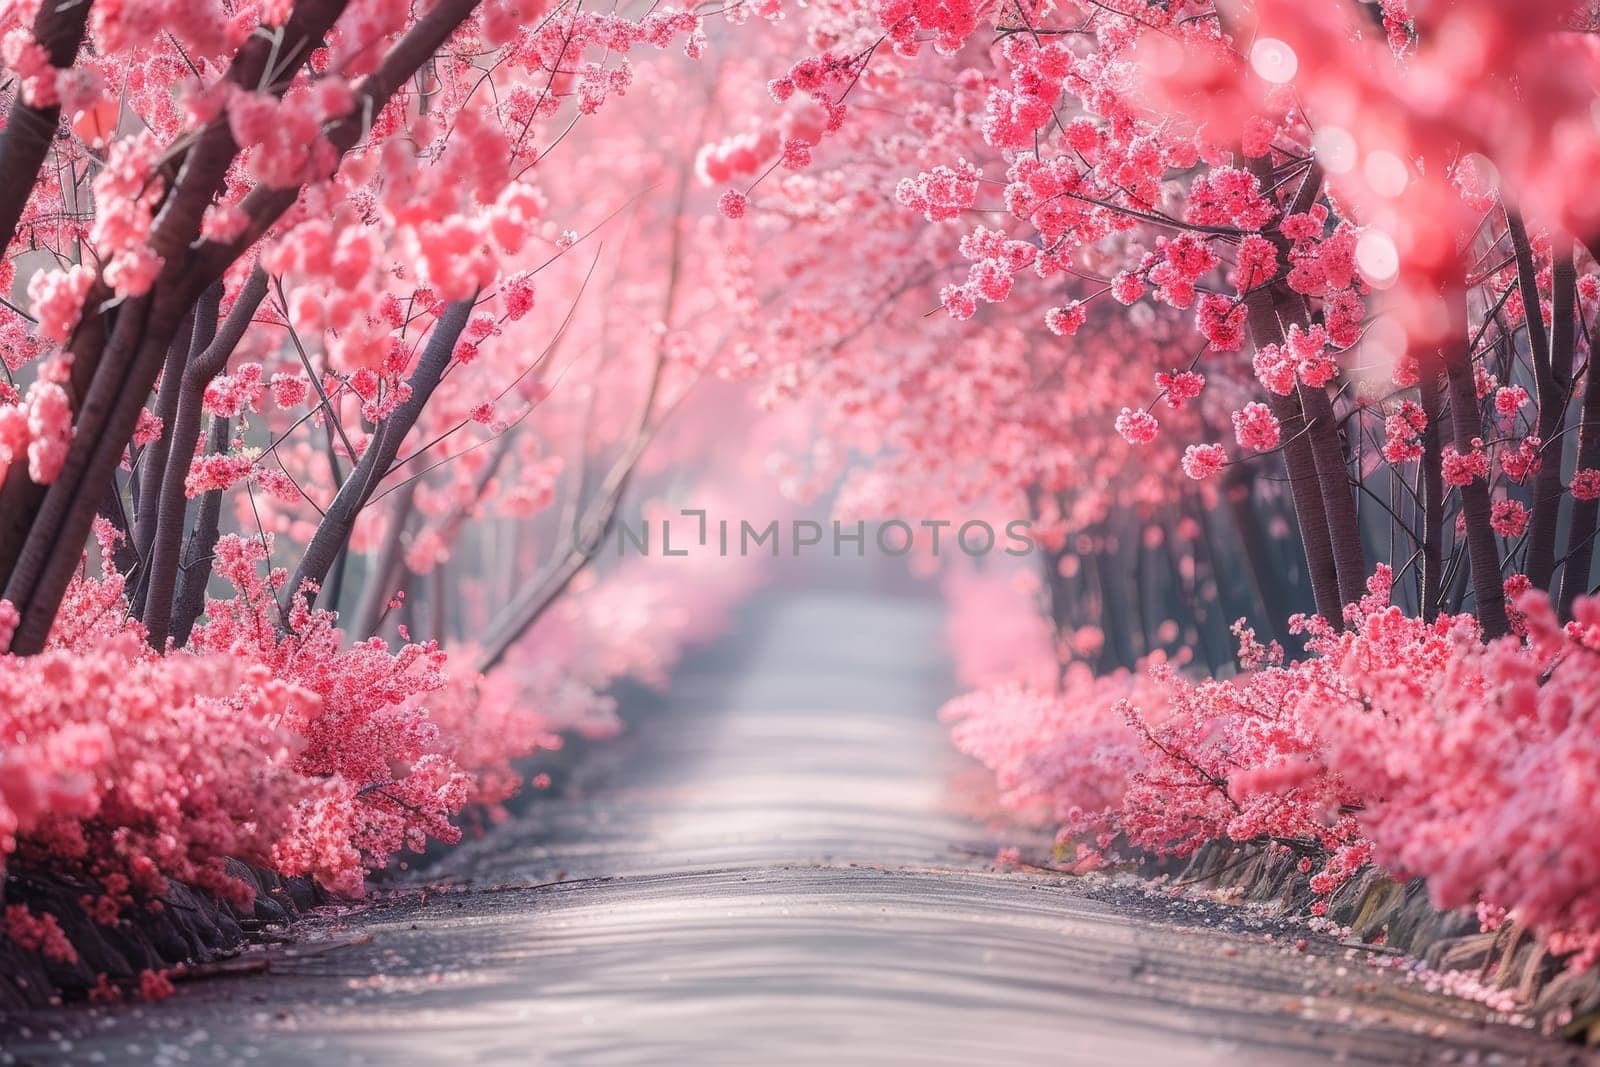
774, 867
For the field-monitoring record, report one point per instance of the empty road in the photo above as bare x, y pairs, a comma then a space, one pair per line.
779, 863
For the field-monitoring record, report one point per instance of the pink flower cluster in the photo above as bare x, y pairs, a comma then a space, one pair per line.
1137, 427
1509, 518
1403, 431
231, 395
103, 778
38, 427
57, 298
1180, 387
218, 470
1068, 320
996, 259
1256, 427
1462, 468
1202, 461
942, 193
1586, 484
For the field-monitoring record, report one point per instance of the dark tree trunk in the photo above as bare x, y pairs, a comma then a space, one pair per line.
387, 568
1585, 513
1118, 649
333, 532
190, 600
1186, 590
1431, 388
1304, 485
1338, 496
1553, 377
1333, 470
59, 28
1483, 553
186, 346
170, 503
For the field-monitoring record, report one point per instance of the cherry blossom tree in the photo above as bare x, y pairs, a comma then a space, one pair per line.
293, 319
1173, 156
305, 154
1191, 249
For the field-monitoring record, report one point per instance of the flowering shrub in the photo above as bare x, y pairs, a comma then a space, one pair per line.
277, 742
1407, 743
1066, 755
103, 775
131, 767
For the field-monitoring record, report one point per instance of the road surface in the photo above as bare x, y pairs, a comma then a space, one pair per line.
777, 865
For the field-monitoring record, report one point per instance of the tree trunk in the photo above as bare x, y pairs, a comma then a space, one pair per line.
1117, 651
28, 132
187, 345
333, 532
1483, 554
1333, 471
1304, 484
1338, 496
1256, 548
1187, 593
53, 546
1585, 513
1058, 592
1553, 377
1431, 388
379, 587
190, 600
438, 606
170, 502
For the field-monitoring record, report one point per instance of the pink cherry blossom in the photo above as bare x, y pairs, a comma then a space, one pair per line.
1256, 427
1136, 427
1202, 461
